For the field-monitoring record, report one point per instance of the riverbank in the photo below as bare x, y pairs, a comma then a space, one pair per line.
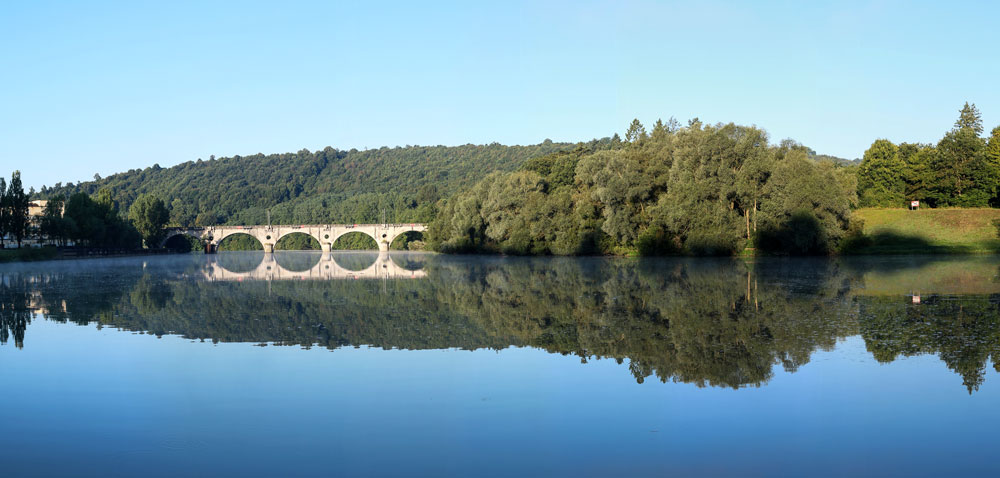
27, 254
30, 254
886, 232
928, 231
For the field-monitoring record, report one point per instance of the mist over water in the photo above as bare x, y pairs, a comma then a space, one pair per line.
357, 362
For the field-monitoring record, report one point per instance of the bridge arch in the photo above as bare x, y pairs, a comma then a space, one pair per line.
356, 231
295, 238
231, 240
172, 233
408, 236
183, 242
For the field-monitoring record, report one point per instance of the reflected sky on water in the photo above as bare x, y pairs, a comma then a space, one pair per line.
356, 363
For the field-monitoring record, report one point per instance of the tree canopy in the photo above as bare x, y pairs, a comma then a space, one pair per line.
961, 170
149, 215
702, 189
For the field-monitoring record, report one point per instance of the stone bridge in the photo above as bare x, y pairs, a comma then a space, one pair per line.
325, 234
326, 269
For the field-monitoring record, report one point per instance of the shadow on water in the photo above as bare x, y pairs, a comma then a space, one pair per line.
708, 321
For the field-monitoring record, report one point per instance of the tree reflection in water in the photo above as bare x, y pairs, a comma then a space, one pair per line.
710, 322
15, 309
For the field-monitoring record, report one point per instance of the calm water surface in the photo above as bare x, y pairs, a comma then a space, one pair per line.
351, 363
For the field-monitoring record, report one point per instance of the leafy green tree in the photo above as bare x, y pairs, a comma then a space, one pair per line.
17, 209
459, 227
52, 224
620, 189
636, 132
148, 214
880, 176
85, 225
701, 206
806, 211
964, 178
4, 212
752, 175
98, 224
510, 210
206, 218
970, 118
992, 159
918, 173
623, 184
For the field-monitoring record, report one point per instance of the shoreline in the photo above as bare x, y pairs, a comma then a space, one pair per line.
53, 254
38, 254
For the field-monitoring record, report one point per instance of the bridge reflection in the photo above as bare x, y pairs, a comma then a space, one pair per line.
313, 266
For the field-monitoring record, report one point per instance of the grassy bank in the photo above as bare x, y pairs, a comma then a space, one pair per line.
928, 231
28, 254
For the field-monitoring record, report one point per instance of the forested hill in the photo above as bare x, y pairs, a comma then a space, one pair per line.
314, 187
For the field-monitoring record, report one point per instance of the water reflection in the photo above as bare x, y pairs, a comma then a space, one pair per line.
312, 266
709, 322
15, 310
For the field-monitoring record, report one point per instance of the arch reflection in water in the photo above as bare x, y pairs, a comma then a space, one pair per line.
310, 266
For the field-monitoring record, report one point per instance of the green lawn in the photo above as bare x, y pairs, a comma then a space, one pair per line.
929, 231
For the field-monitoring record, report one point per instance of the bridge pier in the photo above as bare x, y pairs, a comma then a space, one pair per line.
211, 248
327, 247
268, 248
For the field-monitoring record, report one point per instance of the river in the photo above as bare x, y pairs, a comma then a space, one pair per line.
418, 364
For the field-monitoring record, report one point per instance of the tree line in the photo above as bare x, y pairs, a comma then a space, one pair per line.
711, 189
13, 210
81, 219
699, 189
308, 187
961, 170
693, 189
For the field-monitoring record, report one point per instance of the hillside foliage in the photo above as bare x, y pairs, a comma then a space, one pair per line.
326, 186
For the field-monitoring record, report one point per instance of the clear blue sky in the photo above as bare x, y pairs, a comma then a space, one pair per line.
102, 87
